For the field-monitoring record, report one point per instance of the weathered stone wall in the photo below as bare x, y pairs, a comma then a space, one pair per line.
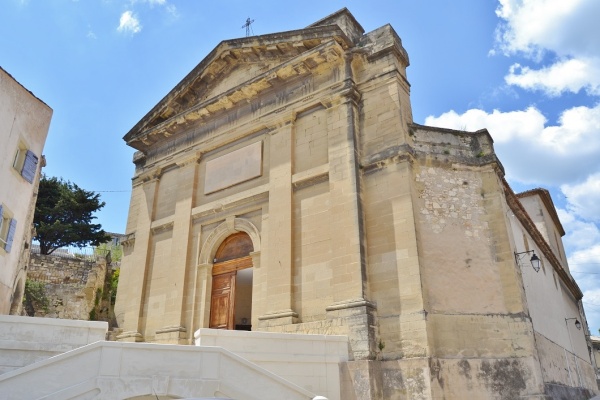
71, 285
18, 194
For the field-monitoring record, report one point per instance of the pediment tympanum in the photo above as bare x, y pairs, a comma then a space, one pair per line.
237, 70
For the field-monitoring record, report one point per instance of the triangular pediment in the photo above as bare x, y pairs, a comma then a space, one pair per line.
239, 68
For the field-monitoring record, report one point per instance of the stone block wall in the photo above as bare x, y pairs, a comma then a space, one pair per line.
71, 285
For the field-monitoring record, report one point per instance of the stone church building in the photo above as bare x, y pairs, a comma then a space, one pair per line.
283, 187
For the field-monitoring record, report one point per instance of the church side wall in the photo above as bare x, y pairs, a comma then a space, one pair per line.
479, 334
563, 350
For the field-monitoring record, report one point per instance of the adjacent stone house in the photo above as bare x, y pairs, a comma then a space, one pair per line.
282, 186
24, 123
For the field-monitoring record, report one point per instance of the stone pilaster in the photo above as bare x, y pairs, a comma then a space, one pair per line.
136, 264
348, 260
279, 274
174, 332
202, 301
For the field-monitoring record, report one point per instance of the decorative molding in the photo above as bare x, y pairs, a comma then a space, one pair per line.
205, 268
194, 159
163, 224
303, 64
311, 176
341, 305
129, 239
278, 314
255, 255
256, 194
223, 230
131, 334
170, 329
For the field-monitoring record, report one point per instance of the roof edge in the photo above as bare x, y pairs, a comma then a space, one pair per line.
547, 200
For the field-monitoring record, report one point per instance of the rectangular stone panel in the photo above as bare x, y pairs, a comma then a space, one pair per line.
232, 168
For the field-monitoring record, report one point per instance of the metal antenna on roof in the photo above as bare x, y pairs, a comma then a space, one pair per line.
248, 27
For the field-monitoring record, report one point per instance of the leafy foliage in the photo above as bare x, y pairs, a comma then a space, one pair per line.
35, 297
116, 251
64, 214
114, 282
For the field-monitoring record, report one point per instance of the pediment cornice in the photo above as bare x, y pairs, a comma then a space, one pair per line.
302, 64
294, 53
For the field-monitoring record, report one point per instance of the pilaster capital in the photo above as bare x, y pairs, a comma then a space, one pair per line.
255, 255
284, 121
205, 269
150, 176
190, 160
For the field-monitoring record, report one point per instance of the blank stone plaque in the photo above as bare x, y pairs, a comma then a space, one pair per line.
232, 168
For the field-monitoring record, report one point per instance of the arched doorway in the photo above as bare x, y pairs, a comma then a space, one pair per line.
231, 296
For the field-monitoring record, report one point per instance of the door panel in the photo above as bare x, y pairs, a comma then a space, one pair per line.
222, 301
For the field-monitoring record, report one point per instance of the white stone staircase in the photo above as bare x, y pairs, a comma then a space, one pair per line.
113, 370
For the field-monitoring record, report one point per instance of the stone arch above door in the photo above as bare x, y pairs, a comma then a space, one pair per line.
222, 231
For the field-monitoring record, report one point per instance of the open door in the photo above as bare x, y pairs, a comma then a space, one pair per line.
233, 255
222, 301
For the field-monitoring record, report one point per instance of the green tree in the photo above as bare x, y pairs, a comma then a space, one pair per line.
64, 215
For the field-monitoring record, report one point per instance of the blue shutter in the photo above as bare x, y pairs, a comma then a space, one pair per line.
0, 213
29, 166
11, 235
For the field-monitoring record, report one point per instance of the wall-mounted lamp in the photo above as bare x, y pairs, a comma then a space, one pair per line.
577, 323
535, 261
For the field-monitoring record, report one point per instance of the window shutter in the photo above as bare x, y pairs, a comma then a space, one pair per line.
0, 214
29, 166
11, 234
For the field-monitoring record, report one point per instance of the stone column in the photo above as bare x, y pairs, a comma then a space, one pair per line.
135, 266
279, 273
173, 331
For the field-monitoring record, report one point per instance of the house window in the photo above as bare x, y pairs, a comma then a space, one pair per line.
8, 226
25, 162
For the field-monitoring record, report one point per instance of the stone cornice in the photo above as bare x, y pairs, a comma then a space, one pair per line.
547, 200
327, 97
304, 64
517, 208
293, 45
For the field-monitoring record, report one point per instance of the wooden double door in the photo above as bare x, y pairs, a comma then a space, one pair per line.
231, 258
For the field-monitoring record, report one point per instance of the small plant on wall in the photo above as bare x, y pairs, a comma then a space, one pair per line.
35, 298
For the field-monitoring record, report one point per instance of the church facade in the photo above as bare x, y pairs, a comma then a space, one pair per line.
282, 186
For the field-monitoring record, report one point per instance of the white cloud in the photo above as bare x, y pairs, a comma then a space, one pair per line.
531, 151
580, 235
128, 23
568, 29
504, 126
564, 27
584, 198
563, 76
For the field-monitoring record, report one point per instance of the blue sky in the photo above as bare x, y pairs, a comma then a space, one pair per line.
528, 71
